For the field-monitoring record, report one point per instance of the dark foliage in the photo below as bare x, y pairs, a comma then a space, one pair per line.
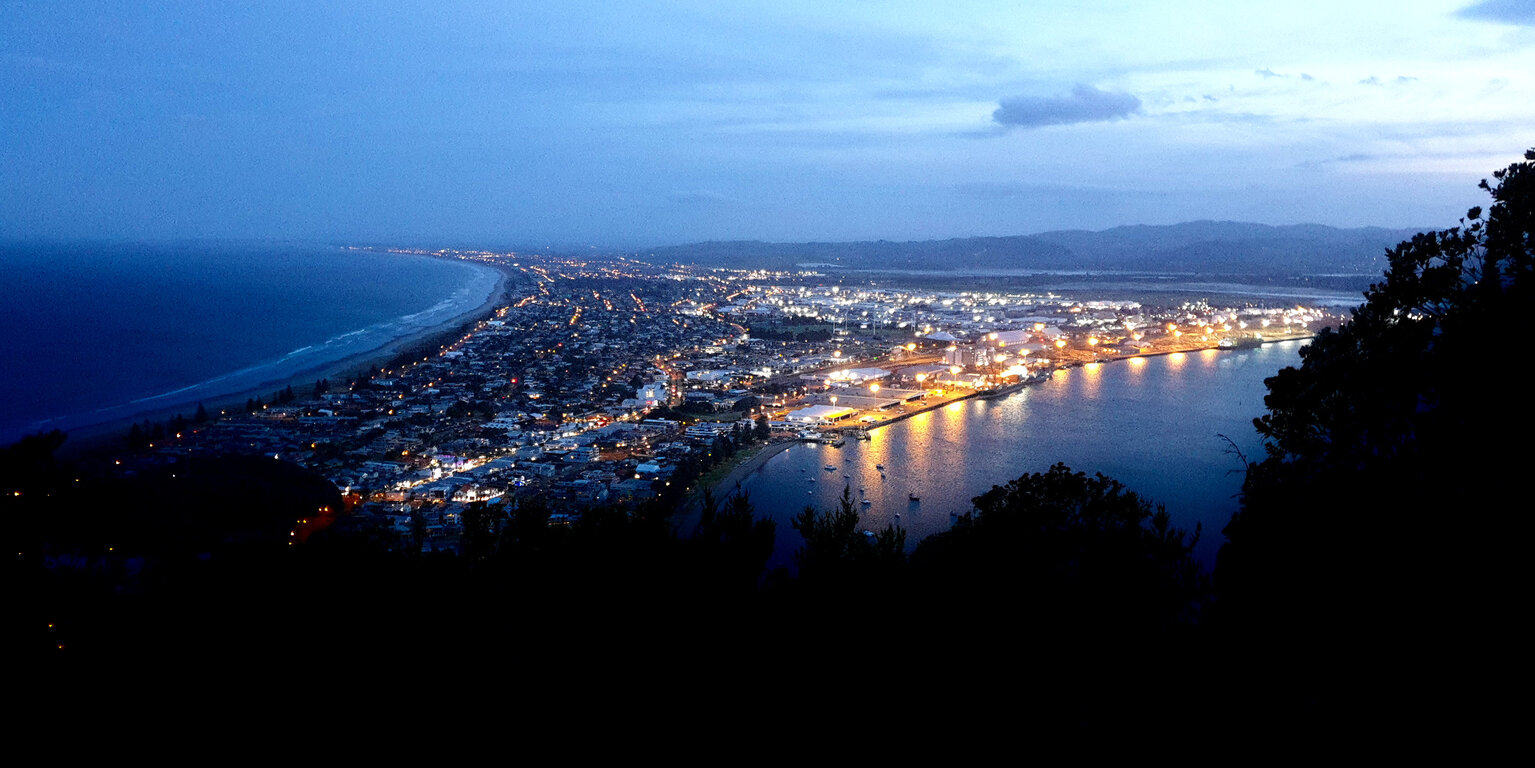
838, 555
1393, 431
1066, 553
731, 544
1375, 559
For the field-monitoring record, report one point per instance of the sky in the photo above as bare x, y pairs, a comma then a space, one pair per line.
628, 125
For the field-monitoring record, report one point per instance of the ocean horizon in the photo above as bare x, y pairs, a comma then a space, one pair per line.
99, 332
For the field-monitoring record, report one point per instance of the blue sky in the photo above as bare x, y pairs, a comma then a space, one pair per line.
635, 124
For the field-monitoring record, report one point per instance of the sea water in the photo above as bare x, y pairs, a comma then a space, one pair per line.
92, 333
1169, 427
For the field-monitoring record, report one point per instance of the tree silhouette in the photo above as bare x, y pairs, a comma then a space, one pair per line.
836, 551
1062, 549
731, 543
1393, 451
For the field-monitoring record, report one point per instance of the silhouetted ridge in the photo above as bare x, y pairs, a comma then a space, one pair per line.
1217, 247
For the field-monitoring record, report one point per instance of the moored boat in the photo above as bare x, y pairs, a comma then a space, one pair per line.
1241, 342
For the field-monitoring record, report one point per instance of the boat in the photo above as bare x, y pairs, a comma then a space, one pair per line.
866, 503
862, 434
838, 442
829, 468
1023, 381
880, 467
1002, 391
913, 497
1242, 342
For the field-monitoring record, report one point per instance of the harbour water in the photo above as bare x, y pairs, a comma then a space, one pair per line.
1152, 423
95, 333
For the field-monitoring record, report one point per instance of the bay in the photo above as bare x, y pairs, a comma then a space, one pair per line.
1152, 423
95, 332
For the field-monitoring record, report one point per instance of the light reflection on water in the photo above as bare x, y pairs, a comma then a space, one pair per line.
1151, 423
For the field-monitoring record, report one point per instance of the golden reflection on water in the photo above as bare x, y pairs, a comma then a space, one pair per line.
1092, 377
943, 458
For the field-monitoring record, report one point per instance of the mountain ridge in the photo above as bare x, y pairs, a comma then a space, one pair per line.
1205, 246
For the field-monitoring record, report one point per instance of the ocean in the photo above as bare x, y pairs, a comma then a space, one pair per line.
94, 332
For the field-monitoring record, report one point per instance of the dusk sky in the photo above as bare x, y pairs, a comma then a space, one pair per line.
637, 124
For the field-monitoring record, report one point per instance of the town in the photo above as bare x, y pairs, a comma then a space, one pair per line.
616, 382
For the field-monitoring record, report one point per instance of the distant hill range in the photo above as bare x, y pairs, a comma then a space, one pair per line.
1203, 247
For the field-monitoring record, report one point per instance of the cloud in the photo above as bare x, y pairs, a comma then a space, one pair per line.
1357, 157
1086, 104
1516, 12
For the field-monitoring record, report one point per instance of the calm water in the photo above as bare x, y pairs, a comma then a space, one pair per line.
94, 333
1151, 423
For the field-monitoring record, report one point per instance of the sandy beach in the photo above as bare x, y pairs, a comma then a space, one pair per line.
88, 438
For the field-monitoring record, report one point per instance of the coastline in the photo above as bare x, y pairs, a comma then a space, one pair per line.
690, 508
743, 469
87, 439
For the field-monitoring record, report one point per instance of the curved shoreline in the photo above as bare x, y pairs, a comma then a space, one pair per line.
763, 454
83, 439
